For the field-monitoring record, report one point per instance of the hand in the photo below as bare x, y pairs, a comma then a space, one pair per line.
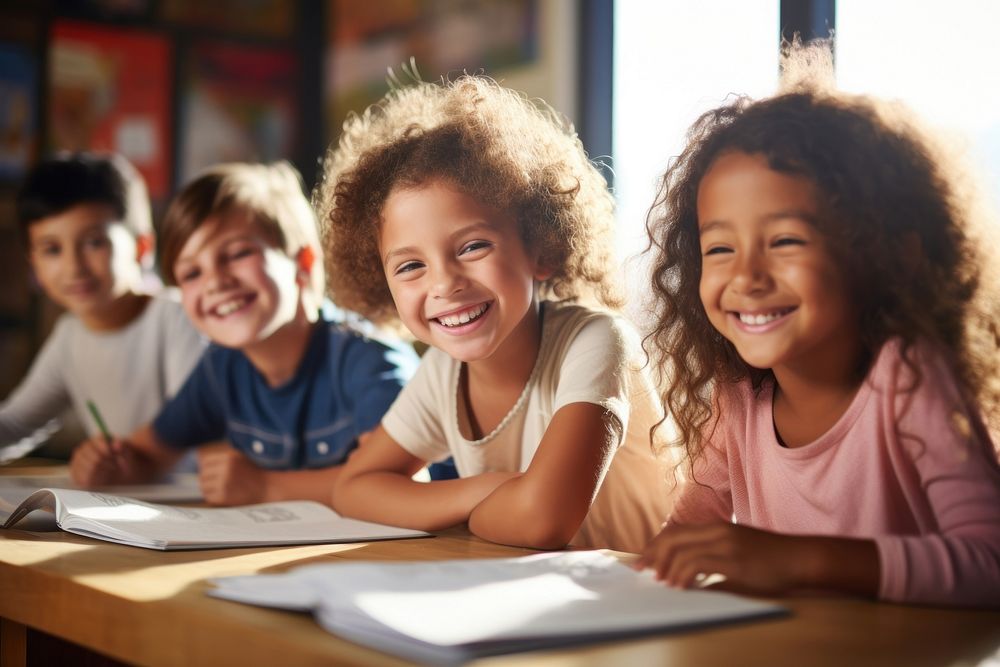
227, 477
745, 560
98, 462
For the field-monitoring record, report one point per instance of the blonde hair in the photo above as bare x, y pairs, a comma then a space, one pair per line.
493, 144
271, 195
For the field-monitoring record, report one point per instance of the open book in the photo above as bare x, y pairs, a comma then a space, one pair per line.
448, 612
165, 527
178, 487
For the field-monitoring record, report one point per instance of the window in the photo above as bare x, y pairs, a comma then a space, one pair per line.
673, 61
938, 58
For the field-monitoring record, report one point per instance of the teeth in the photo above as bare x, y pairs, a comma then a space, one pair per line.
747, 318
463, 317
227, 307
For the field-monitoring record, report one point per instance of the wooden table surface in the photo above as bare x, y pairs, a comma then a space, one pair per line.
150, 608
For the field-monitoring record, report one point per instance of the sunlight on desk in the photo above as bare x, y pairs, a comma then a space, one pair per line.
182, 569
30, 553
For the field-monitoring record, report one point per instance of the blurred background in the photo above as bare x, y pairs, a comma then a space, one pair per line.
177, 85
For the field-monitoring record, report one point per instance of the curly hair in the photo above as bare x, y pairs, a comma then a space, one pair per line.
493, 144
892, 211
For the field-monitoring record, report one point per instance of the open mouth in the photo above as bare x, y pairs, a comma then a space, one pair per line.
231, 305
758, 319
463, 317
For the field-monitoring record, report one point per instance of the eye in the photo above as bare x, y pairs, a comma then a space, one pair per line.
408, 267
95, 242
717, 250
239, 252
49, 250
785, 241
473, 246
188, 276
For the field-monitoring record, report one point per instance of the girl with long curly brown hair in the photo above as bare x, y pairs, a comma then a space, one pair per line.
829, 351
473, 216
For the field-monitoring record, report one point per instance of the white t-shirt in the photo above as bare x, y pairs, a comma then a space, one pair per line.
128, 373
585, 356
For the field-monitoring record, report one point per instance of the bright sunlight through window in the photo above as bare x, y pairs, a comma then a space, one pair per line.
940, 58
674, 60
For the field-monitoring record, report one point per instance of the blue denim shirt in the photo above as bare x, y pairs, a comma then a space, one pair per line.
344, 384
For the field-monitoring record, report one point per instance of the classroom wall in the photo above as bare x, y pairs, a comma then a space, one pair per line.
179, 84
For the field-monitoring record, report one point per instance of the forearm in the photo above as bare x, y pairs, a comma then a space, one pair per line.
393, 498
840, 564
522, 513
301, 485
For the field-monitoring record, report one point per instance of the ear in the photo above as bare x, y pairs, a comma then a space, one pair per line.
305, 259
144, 246
541, 272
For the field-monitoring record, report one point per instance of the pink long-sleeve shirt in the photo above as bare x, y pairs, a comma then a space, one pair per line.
912, 469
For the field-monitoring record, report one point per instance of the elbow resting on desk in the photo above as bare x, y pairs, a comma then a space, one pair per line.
521, 514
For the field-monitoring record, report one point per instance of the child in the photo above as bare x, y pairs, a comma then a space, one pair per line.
464, 211
824, 335
291, 391
86, 223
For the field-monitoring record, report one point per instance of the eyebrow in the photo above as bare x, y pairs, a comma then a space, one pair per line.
406, 250
233, 237
770, 217
48, 238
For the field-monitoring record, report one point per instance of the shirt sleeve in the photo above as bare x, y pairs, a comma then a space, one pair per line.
196, 415
951, 453
595, 369
371, 375
415, 419
705, 494
42, 395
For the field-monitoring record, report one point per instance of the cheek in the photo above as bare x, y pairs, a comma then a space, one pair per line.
189, 300
708, 290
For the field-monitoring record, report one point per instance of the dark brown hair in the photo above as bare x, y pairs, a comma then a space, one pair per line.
892, 213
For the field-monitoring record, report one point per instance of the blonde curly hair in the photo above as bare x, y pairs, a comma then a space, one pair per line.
492, 143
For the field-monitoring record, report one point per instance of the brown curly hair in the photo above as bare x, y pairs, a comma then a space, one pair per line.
513, 154
894, 215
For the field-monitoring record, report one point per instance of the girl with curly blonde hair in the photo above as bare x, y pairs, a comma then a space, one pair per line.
473, 216
829, 352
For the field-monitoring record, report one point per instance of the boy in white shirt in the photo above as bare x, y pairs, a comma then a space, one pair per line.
86, 224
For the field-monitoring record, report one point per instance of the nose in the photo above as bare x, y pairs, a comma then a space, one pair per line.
447, 279
752, 274
76, 262
217, 278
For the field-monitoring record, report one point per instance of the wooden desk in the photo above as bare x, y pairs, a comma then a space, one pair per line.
149, 608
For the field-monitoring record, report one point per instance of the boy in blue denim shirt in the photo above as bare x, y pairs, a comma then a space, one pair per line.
289, 389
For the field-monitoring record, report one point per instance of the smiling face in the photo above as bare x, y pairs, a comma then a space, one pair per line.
769, 283
236, 287
458, 271
85, 259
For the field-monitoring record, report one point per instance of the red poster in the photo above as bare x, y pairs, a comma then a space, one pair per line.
239, 105
110, 90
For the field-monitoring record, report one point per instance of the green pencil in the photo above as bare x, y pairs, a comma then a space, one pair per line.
100, 421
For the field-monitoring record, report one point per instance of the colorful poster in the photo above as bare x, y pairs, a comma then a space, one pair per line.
110, 91
443, 38
18, 102
239, 105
